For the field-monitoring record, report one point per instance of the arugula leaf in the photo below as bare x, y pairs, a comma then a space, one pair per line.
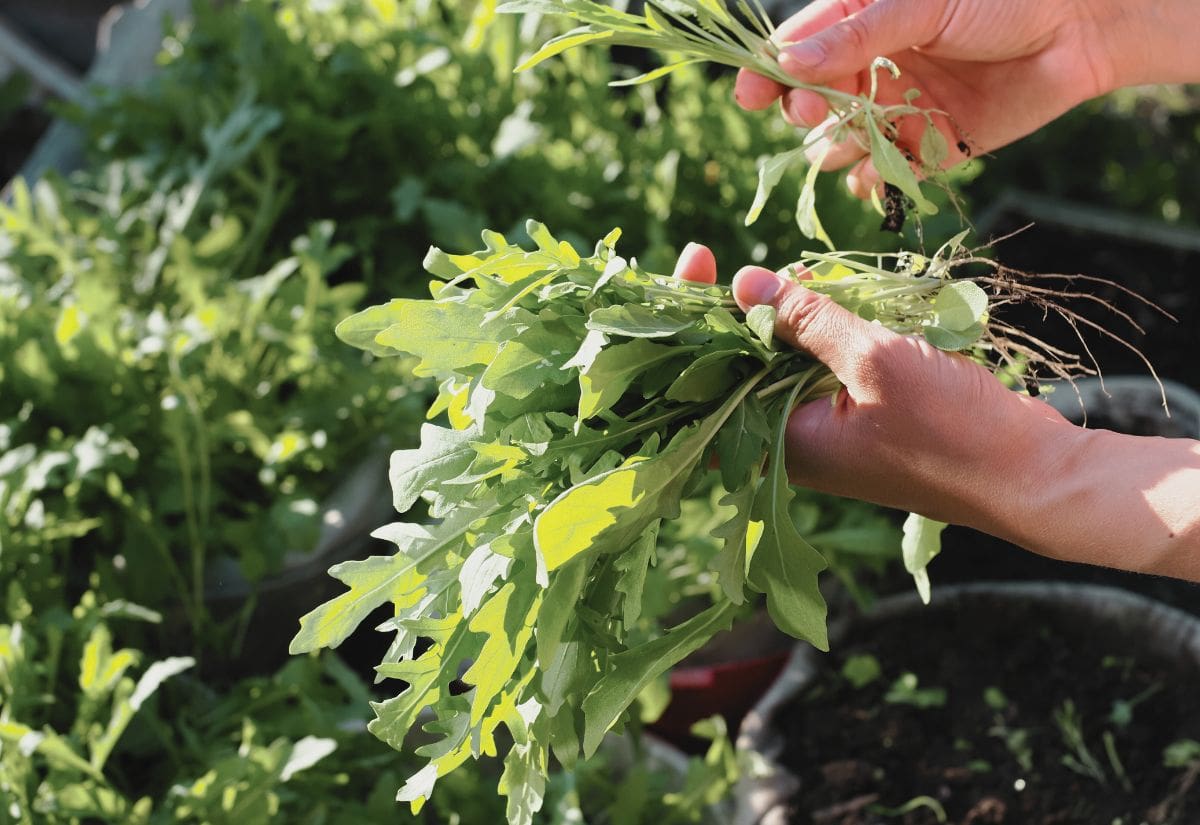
741, 534
444, 454
508, 619
806, 207
741, 444
560, 44
922, 541
613, 509
634, 564
613, 370
526, 364
708, 378
784, 566
761, 320
637, 321
770, 172
586, 399
961, 310
895, 169
443, 334
632, 670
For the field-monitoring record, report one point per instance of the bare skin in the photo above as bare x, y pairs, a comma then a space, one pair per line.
925, 431
936, 434
999, 68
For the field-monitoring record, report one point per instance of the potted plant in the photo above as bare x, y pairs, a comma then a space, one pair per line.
1031, 703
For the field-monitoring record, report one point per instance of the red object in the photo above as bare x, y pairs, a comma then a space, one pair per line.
729, 689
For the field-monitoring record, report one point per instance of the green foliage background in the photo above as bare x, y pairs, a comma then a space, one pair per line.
174, 397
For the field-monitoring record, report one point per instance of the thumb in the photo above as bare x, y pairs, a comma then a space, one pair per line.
812, 323
851, 44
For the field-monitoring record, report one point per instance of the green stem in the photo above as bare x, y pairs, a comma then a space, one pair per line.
189, 507
197, 502
174, 572
786, 382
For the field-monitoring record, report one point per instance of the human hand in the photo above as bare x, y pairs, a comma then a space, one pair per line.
935, 433
998, 69
914, 428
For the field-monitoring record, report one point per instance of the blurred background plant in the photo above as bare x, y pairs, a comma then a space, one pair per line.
174, 396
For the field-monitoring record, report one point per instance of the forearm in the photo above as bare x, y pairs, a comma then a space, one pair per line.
1148, 42
1120, 501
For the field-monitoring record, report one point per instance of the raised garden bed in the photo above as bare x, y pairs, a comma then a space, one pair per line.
1031, 704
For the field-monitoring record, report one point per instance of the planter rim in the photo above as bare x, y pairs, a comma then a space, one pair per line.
762, 798
129, 38
1096, 391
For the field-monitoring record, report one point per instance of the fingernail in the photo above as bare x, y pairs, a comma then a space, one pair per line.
802, 56
754, 285
681, 263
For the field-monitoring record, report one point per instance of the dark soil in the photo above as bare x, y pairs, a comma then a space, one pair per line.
858, 755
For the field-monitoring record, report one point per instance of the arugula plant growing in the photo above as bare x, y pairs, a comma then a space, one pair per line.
365, 93
93, 731
168, 428
695, 31
586, 399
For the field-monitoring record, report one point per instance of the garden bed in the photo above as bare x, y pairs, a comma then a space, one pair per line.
986, 709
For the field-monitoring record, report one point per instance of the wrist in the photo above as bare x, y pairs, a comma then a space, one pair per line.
1056, 488
1143, 42
1115, 500
1038, 475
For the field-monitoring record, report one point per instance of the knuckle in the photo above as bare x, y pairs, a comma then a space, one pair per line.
801, 311
870, 365
853, 34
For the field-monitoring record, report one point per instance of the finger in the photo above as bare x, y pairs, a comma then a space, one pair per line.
697, 263
818, 15
752, 91
813, 323
814, 433
863, 178
804, 108
850, 45
799, 105
838, 156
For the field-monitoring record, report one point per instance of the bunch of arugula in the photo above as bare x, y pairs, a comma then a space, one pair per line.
697, 31
586, 399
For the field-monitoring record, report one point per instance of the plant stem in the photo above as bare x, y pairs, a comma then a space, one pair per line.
786, 382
